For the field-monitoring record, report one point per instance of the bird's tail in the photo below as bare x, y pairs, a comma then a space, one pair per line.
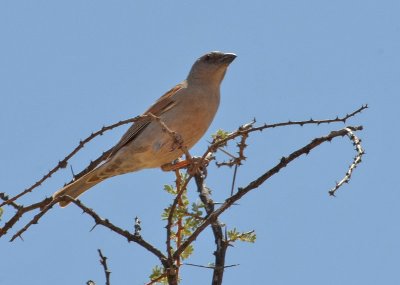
78, 187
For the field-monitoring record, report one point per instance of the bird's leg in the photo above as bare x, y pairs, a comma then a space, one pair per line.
177, 164
194, 164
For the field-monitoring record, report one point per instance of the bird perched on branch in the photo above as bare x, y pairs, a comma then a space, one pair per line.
175, 122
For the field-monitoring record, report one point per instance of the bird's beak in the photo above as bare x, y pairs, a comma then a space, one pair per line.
227, 58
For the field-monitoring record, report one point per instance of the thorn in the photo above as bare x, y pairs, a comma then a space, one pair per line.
95, 225
72, 171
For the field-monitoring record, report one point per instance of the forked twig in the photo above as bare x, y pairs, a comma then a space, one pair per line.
103, 262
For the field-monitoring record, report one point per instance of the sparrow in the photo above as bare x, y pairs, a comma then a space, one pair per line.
187, 110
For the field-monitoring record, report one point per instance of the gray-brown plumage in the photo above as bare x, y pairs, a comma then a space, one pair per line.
187, 109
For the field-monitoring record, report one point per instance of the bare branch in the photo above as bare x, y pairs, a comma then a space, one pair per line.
180, 189
103, 262
220, 241
209, 266
20, 212
353, 165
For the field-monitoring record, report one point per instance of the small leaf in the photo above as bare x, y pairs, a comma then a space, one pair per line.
170, 189
187, 252
234, 235
219, 135
156, 273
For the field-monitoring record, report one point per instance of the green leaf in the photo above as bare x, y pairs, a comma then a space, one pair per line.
187, 252
234, 235
170, 189
219, 135
156, 273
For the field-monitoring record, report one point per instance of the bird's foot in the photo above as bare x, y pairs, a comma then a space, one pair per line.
193, 165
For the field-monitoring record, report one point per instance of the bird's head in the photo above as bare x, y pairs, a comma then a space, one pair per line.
211, 67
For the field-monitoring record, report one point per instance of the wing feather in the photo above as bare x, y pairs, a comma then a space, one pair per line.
165, 103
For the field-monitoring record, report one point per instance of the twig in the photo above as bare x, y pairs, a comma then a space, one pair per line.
4, 197
21, 211
124, 233
355, 163
237, 161
92, 165
179, 222
234, 179
103, 262
180, 190
220, 241
209, 266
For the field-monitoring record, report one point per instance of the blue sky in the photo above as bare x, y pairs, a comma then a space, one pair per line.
68, 67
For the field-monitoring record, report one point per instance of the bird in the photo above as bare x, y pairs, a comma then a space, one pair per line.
186, 110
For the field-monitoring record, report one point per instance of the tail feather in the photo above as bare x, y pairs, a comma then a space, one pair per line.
78, 187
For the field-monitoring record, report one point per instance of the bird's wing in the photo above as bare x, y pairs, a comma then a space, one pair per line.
165, 103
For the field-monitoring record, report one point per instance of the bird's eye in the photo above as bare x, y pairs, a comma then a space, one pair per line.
208, 57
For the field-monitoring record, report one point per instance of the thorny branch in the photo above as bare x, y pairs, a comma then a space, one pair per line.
63, 163
236, 161
180, 189
22, 211
357, 160
103, 262
260, 180
216, 144
220, 241
98, 221
170, 260
124, 233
